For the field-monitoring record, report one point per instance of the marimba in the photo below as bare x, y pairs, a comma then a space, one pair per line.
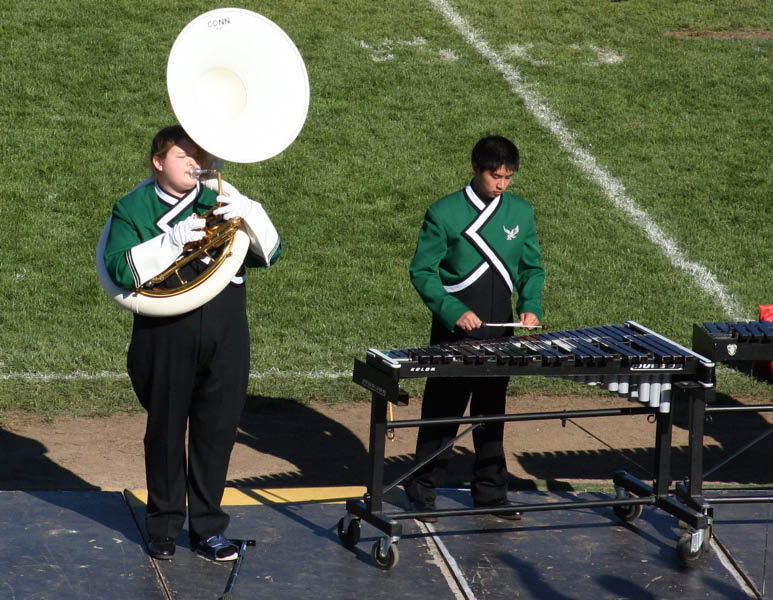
727, 342
629, 360
734, 341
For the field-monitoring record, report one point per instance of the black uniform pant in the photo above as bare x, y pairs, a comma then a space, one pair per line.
191, 371
448, 397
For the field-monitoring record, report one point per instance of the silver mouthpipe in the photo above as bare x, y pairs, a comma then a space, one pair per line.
200, 172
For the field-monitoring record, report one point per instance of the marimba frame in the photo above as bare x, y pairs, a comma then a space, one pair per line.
631, 492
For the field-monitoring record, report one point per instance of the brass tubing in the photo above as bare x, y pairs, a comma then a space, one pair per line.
214, 239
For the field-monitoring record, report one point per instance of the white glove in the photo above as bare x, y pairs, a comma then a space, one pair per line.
264, 239
235, 205
187, 231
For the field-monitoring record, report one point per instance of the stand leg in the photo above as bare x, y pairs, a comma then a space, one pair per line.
377, 449
695, 452
662, 467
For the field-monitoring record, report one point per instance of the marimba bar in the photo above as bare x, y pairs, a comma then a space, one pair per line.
629, 360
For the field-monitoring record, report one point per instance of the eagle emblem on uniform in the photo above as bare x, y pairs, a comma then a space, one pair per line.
511, 233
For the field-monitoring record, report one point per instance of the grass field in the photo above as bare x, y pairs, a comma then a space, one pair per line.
645, 152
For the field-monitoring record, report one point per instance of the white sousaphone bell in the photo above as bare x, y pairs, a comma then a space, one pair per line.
239, 88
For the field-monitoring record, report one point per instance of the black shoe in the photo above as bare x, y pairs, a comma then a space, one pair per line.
508, 515
162, 548
423, 507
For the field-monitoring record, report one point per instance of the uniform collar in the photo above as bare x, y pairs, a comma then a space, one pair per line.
476, 200
171, 200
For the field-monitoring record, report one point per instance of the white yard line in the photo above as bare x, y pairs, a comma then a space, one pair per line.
273, 372
453, 575
588, 164
719, 551
81, 376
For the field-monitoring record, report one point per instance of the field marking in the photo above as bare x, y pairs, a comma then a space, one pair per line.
603, 55
453, 575
83, 376
721, 553
246, 496
588, 164
384, 52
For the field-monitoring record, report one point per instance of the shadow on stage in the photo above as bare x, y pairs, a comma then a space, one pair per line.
37, 480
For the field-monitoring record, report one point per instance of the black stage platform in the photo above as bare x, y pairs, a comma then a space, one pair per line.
89, 545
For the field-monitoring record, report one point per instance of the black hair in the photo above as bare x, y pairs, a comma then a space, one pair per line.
493, 151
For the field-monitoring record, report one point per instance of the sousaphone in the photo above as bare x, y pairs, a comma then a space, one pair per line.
238, 86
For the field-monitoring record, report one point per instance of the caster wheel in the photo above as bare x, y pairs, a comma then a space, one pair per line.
385, 562
628, 513
351, 535
687, 555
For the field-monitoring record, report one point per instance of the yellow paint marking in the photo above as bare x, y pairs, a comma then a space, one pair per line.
260, 496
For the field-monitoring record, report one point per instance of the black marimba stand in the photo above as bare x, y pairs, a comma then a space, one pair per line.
691, 375
726, 342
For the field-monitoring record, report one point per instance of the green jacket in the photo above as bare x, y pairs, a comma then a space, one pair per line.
138, 221
472, 256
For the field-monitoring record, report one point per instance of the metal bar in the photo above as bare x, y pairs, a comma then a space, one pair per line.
740, 499
626, 351
745, 408
743, 331
756, 330
490, 510
615, 450
229, 586
564, 414
712, 328
431, 457
512, 325
701, 358
741, 450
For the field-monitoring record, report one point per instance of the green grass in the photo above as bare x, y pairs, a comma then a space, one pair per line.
683, 124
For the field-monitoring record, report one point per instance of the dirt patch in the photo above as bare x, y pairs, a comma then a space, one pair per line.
284, 443
733, 34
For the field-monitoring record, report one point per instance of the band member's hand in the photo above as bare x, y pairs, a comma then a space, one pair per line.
469, 321
235, 205
528, 319
189, 230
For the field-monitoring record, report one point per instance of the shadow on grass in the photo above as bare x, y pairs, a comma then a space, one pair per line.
325, 452
25, 466
725, 433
